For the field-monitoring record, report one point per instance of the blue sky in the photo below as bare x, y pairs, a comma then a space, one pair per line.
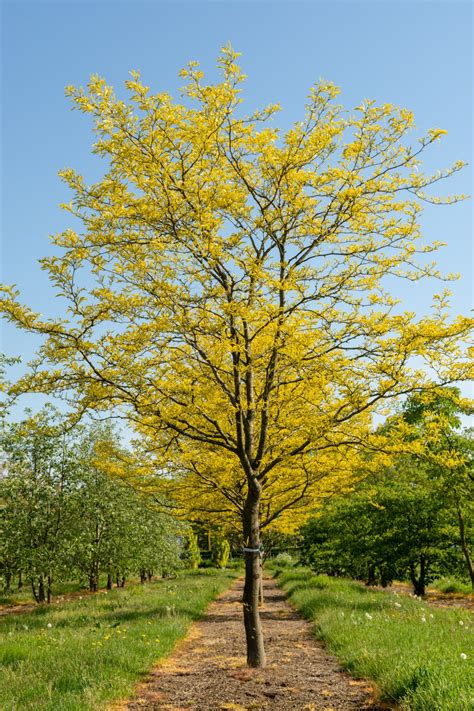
415, 54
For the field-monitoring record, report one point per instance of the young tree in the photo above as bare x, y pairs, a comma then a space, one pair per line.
449, 454
35, 491
239, 312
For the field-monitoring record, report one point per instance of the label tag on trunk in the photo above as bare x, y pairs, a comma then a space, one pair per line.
252, 550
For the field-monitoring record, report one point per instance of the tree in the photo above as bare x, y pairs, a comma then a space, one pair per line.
449, 454
220, 551
35, 491
62, 517
235, 304
192, 554
394, 525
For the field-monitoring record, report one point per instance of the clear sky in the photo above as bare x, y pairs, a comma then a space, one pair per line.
417, 54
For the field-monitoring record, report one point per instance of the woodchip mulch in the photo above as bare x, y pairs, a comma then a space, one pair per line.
208, 671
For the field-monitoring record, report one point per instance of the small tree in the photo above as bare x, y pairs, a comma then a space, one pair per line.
449, 455
192, 554
220, 552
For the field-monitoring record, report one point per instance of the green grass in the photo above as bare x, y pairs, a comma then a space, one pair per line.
14, 597
82, 654
414, 652
451, 585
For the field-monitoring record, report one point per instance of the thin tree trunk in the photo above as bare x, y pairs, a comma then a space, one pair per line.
253, 573
41, 593
8, 580
20, 581
109, 581
93, 582
419, 584
49, 589
464, 546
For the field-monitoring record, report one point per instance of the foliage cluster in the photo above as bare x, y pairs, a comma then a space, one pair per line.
63, 517
412, 520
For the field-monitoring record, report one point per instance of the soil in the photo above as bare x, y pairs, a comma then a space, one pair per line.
208, 671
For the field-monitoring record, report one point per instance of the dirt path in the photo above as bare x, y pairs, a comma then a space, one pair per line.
207, 671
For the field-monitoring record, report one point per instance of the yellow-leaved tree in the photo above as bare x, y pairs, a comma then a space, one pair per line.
228, 292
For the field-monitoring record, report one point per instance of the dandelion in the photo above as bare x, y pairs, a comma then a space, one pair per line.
49, 625
25, 627
461, 622
432, 616
369, 617
463, 656
397, 604
423, 619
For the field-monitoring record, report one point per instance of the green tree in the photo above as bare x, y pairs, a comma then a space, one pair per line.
448, 453
39, 468
395, 524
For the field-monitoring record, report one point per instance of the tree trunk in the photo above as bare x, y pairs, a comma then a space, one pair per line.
150, 576
49, 589
253, 573
20, 581
419, 583
8, 580
109, 581
93, 582
261, 599
41, 594
371, 577
465, 547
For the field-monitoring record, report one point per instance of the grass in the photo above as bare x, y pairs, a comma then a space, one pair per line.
451, 585
420, 656
14, 597
82, 654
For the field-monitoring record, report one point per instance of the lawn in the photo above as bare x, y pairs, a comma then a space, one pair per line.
84, 653
420, 656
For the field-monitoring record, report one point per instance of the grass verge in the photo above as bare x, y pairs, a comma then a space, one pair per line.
82, 654
421, 657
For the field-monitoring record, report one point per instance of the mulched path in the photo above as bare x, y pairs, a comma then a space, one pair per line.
208, 672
